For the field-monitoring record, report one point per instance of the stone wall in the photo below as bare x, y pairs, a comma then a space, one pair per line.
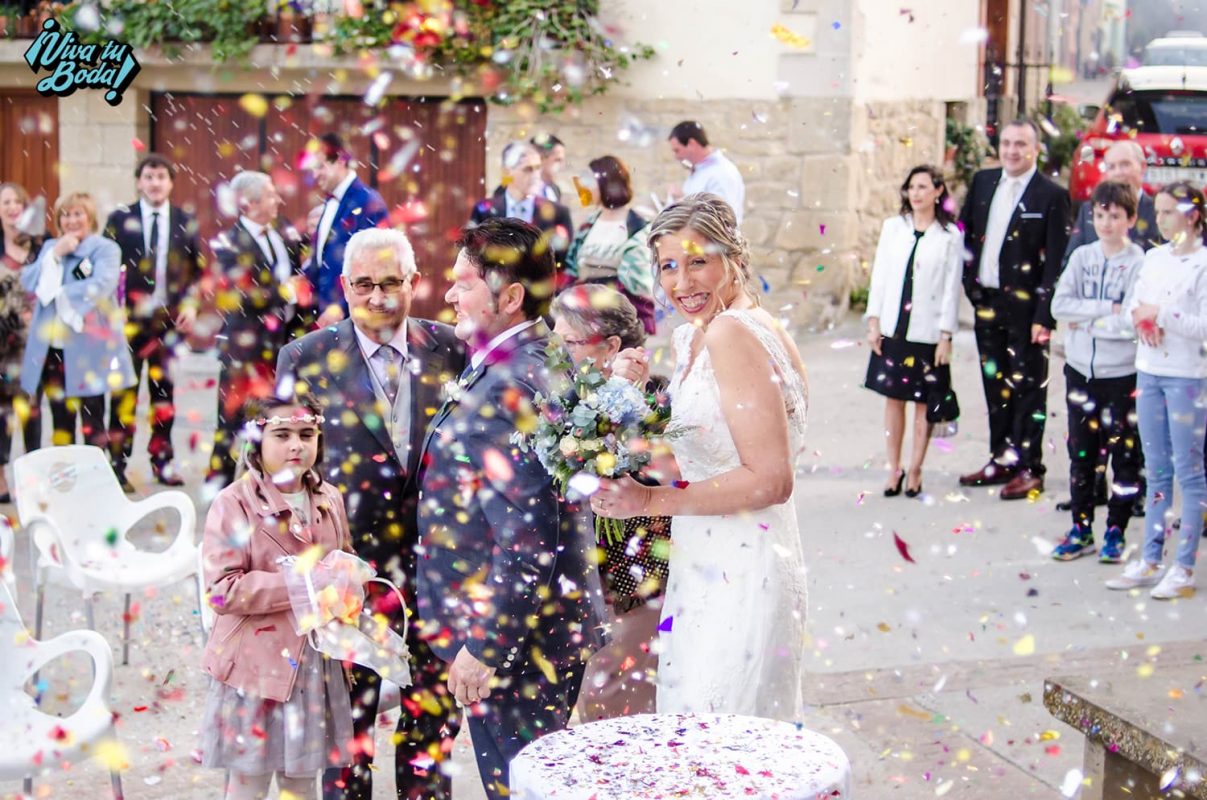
821, 175
96, 151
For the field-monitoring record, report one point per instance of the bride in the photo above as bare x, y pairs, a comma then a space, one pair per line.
733, 625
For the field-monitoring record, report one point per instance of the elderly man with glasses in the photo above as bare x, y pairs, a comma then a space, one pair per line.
379, 375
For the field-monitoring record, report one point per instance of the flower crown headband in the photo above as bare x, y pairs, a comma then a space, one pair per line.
293, 419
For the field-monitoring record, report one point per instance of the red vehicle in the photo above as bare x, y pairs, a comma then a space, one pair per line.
1165, 110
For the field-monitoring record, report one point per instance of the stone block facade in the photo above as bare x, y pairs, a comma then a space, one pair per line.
821, 175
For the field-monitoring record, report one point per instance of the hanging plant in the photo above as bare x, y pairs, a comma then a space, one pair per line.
553, 53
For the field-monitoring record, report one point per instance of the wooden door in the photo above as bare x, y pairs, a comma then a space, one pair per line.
29, 128
427, 157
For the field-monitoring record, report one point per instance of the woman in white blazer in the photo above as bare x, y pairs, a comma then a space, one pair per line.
912, 313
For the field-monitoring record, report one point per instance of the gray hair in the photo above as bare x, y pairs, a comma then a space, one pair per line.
250, 185
1133, 148
381, 239
599, 310
516, 150
713, 218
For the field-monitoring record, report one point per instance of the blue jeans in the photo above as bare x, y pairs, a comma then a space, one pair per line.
1172, 422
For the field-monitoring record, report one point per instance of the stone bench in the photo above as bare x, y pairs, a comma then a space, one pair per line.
1145, 737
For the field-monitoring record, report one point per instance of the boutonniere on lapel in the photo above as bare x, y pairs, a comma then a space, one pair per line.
454, 391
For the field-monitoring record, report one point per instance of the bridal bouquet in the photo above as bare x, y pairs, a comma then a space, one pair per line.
596, 428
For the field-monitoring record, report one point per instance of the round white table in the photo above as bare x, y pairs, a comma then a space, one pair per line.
681, 755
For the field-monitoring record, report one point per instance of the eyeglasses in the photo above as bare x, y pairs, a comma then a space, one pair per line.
364, 287
588, 342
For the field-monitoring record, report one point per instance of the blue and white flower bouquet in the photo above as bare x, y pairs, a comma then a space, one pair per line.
596, 428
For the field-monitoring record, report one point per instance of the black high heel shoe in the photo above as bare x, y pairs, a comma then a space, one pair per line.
914, 492
896, 490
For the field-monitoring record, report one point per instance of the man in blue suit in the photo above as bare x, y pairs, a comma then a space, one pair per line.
350, 206
508, 589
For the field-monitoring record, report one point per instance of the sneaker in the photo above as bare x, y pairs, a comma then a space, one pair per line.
1136, 574
1178, 582
1112, 546
1077, 543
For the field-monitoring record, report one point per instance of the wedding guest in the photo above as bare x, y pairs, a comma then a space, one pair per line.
255, 269
553, 158
350, 206
76, 351
384, 370
521, 200
1124, 162
17, 249
711, 171
915, 298
1100, 372
274, 705
1169, 312
1016, 225
596, 323
161, 260
610, 246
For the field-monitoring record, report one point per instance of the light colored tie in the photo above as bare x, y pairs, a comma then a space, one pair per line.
392, 372
1004, 200
1014, 187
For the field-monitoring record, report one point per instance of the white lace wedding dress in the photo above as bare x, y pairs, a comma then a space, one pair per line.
735, 597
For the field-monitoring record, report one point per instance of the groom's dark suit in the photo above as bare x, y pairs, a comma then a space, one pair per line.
381, 491
505, 569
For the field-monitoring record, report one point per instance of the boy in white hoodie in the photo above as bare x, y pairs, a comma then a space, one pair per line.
1100, 372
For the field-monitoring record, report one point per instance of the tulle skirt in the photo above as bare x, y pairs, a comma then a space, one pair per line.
312, 730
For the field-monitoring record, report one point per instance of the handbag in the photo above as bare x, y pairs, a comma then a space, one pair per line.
942, 405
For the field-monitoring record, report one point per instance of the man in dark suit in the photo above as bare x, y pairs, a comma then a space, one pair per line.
520, 200
1124, 162
509, 593
160, 262
350, 206
256, 268
379, 377
1016, 226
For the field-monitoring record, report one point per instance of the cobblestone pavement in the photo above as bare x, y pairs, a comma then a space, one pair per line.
928, 673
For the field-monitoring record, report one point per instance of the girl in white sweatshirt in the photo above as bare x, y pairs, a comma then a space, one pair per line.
1169, 311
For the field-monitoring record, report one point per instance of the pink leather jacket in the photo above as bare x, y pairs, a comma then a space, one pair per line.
253, 646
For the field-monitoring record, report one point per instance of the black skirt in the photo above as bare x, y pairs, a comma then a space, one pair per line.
905, 370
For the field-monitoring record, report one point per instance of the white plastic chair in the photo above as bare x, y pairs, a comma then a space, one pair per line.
71, 505
32, 737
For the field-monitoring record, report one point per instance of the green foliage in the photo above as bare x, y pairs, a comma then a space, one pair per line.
229, 26
970, 149
1068, 125
552, 53
859, 298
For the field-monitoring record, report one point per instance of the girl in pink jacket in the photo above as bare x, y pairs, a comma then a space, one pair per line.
275, 705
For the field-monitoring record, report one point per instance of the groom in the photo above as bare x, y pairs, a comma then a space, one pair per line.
508, 589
